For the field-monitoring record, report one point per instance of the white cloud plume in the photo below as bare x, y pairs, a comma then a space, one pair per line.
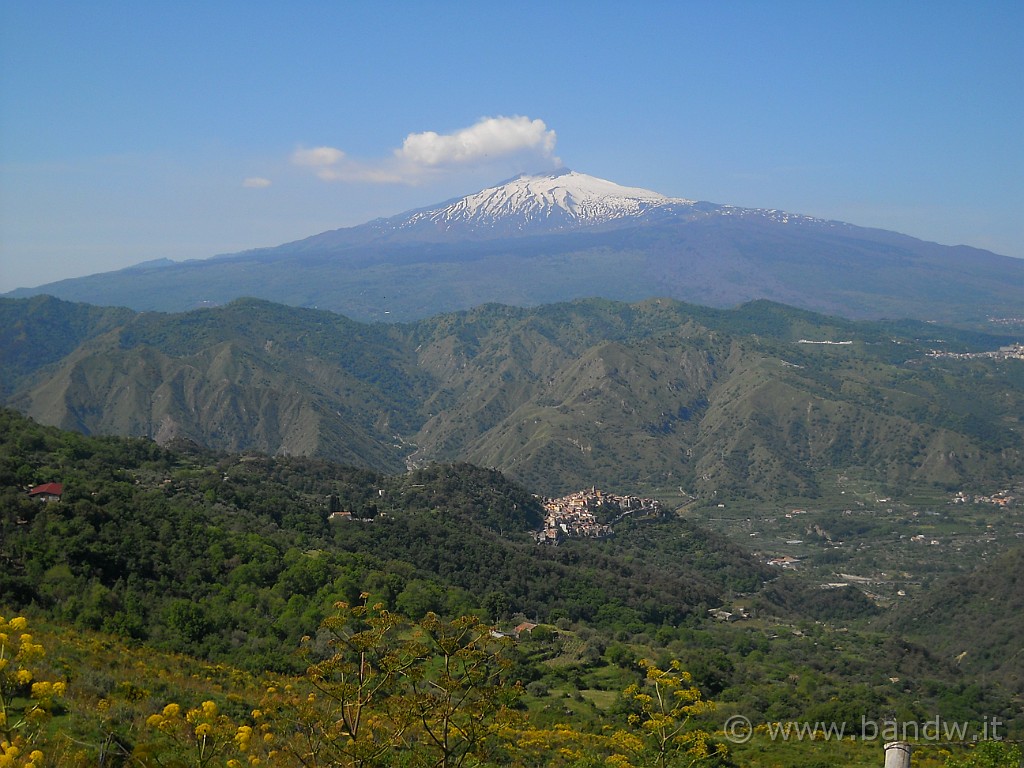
488, 138
256, 182
324, 160
317, 157
429, 153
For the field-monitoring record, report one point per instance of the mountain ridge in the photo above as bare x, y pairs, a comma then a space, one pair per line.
561, 237
641, 396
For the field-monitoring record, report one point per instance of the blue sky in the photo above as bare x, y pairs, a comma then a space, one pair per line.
132, 131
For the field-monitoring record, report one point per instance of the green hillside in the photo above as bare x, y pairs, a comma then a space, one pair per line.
234, 557
761, 402
976, 618
40, 331
233, 560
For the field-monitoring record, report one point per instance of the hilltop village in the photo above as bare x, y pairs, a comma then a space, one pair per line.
591, 514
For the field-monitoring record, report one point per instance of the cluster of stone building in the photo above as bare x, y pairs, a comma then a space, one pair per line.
1004, 498
577, 515
1012, 352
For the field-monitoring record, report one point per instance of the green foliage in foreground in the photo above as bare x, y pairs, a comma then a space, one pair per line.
234, 558
989, 754
379, 691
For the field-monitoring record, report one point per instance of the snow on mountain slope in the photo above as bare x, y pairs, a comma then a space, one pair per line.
562, 236
552, 202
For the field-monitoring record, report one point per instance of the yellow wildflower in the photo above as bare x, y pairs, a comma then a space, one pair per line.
42, 690
154, 721
18, 623
242, 739
210, 709
172, 710
23, 677
203, 730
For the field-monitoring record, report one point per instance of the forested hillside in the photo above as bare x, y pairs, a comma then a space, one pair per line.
761, 402
233, 559
977, 618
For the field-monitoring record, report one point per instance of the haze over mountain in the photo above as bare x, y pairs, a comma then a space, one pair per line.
538, 239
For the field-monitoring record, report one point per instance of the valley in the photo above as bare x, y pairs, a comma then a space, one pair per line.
348, 421
233, 558
645, 398
890, 550
816, 532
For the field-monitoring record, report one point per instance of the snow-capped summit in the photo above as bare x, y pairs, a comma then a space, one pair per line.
544, 204
553, 202
562, 236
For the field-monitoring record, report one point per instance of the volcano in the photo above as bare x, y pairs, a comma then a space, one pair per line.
559, 236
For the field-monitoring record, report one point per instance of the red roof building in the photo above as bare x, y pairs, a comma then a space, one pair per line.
47, 492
